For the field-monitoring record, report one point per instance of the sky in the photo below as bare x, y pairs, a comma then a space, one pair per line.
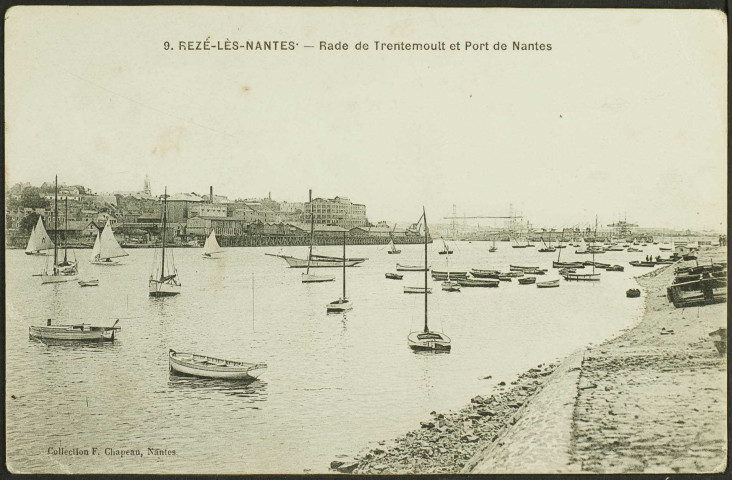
625, 116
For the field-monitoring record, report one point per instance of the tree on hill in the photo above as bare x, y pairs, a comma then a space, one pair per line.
28, 222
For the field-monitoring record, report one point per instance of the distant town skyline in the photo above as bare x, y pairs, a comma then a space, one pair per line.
627, 119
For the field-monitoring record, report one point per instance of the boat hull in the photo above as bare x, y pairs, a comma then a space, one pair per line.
339, 306
551, 284
306, 278
107, 263
410, 268
73, 333
207, 367
163, 289
417, 290
57, 278
318, 263
429, 341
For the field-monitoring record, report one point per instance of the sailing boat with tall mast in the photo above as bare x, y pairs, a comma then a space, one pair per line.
211, 247
307, 277
392, 248
39, 241
493, 248
68, 265
446, 250
342, 304
64, 271
449, 285
426, 339
106, 248
587, 277
164, 282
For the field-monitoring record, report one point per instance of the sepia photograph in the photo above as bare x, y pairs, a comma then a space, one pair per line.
310, 240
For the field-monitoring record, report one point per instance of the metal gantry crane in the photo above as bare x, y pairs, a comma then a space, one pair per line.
464, 217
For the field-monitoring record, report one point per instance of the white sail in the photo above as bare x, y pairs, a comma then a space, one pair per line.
109, 248
211, 246
96, 249
39, 239
392, 247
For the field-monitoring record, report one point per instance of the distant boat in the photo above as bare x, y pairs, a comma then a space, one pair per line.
549, 284
343, 303
307, 277
210, 367
394, 276
65, 270
426, 339
477, 282
164, 281
211, 247
80, 332
106, 248
392, 248
417, 289
445, 249
39, 241
410, 268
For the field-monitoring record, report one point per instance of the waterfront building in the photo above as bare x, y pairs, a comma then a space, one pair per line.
179, 206
223, 226
338, 211
208, 210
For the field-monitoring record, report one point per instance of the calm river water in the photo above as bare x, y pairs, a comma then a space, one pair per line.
335, 383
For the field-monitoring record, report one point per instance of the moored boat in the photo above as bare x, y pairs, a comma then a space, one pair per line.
451, 286
548, 284
581, 277
410, 268
614, 268
527, 280
211, 367
568, 265
417, 289
478, 273
477, 282
394, 276
81, 332
89, 283
640, 263
163, 280
39, 242
343, 303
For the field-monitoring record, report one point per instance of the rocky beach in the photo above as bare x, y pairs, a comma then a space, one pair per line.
651, 400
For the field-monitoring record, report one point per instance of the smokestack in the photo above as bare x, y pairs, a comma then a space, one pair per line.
210, 196
310, 195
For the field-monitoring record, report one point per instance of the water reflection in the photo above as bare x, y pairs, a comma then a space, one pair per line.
254, 389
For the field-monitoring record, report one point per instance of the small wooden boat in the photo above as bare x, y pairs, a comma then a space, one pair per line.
568, 265
547, 249
493, 249
478, 282
590, 263
89, 283
582, 277
567, 270
527, 280
81, 332
615, 268
312, 278
417, 290
343, 303
451, 286
451, 273
631, 249
549, 284
639, 263
614, 248
633, 293
485, 273
513, 274
394, 276
410, 268
210, 367
505, 278
519, 268
665, 249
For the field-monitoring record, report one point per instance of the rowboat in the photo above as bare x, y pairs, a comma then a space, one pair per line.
210, 367
410, 268
631, 249
476, 282
586, 277
417, 289
615, 268
394, 276
505, 278
568, 265
596, 264
451, 286
89, 283
311, 278
513, 274
519, 268
633, 293
549, 284
81, 332
639, 263
478, 273
527, 280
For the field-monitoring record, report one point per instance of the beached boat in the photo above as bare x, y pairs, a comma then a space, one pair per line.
80, 332
343, 303
535, 270
211, 367
89, 283
410, 268
394, 276
163, 280
478, 282
548, 284
211, 248
426, 339
65, 270
633, 293
417, 289
527, 280
514, 274
665, 249
39, 242
106, 248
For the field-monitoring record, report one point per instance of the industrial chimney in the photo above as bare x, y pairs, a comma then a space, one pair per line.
210, 195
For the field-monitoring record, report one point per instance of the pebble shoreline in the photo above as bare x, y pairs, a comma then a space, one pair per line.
644, 401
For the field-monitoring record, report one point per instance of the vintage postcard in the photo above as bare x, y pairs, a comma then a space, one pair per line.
249, 240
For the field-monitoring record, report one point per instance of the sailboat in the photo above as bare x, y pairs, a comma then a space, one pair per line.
67, 265
449, 285
65, 271
547, 248
164, 282
106, 248
493, 248
392, 247
426, 339
211, 248
587, 277
39, 240
445, 249
342, 304
307, 277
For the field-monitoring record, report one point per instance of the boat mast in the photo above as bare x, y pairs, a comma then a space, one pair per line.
55, 227
165, 213
561, 239
66, 232
312, 229
344, 265
424, 215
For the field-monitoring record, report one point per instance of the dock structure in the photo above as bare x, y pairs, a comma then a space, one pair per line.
301, 240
